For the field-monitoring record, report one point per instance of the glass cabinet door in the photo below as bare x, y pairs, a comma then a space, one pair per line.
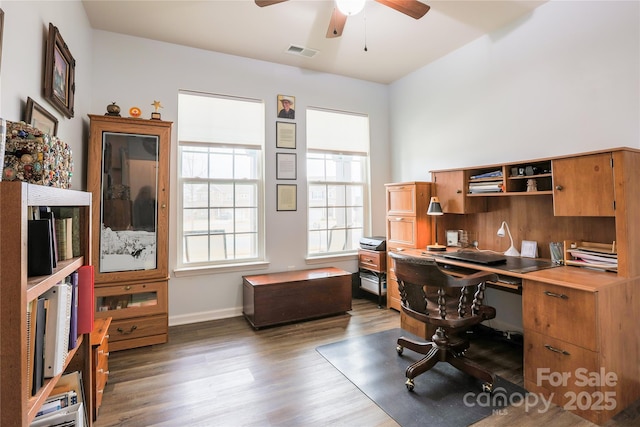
129, 233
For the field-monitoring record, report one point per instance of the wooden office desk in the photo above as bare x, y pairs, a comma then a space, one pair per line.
580, 336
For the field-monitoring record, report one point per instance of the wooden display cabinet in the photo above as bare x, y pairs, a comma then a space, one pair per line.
128, 175
17, 405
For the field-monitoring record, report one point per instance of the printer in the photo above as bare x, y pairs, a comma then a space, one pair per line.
374, 243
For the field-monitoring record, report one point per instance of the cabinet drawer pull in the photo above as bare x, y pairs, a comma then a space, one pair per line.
399, 219
559, 187
557, 350
122, 331
553, 294
127, 288
458, 191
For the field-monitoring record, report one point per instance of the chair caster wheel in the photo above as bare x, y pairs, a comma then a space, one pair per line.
400, 349
487, 387
410, 384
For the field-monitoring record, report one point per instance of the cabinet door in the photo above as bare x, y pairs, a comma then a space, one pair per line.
583, 186
401, 199
451, 189
128, 175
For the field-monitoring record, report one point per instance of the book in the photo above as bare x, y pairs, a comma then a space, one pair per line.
56, 335
73, 323
85, 299
64, 238
46, 213
38, 345
72, 212
39, 248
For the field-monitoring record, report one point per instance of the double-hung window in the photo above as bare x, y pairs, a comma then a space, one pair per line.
220, 179
338, 181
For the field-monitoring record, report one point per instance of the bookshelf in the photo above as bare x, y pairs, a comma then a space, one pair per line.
17, 405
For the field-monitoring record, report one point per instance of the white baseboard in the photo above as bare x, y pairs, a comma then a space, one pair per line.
203, 316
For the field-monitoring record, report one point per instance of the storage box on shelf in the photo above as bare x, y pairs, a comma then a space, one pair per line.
36, 157
17, 404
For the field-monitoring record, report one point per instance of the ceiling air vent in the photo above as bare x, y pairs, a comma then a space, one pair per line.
302, 51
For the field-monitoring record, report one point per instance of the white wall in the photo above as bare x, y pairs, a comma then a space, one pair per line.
26, 25
564, 79
134, 71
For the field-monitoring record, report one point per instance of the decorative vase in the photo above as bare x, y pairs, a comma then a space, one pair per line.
113, 110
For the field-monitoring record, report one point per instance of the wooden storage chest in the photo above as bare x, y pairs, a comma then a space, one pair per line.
277, 298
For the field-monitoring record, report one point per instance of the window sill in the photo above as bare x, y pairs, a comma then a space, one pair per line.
212, 269
322, 259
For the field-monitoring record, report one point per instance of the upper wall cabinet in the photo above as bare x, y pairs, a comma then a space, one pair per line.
583, 186
451, 187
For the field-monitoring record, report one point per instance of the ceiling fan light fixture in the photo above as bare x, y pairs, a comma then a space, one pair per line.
350, 7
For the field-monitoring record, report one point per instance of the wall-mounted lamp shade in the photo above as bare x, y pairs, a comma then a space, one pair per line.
350, 7
512, 251
434, 207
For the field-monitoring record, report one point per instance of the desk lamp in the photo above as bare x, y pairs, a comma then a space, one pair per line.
435, 209
512, 251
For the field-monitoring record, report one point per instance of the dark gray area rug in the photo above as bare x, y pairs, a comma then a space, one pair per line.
443, 396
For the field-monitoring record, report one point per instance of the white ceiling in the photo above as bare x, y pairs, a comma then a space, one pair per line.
396, 44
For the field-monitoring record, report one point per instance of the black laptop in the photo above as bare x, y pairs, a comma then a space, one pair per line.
486, 258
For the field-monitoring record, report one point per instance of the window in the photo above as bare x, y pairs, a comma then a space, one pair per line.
337, 176
220, 179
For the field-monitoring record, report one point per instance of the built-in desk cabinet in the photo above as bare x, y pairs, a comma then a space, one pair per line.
576, 321
408, 226
578, 343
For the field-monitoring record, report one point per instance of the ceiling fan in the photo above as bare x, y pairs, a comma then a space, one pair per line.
412, 8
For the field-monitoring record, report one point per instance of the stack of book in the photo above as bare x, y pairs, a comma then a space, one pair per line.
488, 182
55, 320
65, 405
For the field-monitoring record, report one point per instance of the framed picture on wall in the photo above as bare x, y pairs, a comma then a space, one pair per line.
38, 117
285, 135
285, 166
1, 33
59, 73
286, 105
286, 197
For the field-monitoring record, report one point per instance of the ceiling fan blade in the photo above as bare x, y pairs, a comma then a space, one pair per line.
263, 3
412, 8
336, 25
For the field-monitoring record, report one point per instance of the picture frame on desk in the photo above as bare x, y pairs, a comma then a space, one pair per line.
529, 249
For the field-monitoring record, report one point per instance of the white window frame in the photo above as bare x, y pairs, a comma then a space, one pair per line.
327, 148
220, 143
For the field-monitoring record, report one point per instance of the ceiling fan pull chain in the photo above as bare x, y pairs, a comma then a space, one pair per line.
365, 31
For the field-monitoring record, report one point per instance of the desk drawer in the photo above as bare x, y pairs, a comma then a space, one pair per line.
401, 232
559, 312
372, 260
564, 372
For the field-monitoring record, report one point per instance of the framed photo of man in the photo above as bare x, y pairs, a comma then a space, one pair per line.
286, 107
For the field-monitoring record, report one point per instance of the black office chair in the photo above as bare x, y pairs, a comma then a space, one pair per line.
449, 304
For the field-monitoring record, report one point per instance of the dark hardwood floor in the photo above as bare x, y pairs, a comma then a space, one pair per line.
224, 373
